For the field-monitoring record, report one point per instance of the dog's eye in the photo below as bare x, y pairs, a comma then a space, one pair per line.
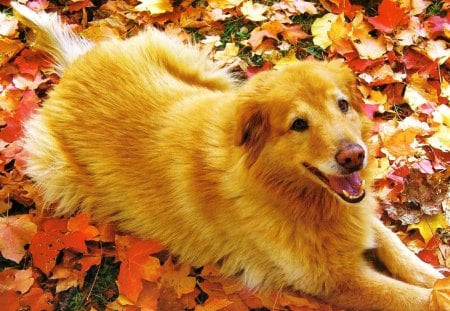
299, 125
343, 105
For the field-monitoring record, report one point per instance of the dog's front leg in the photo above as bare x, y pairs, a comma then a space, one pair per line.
367, 289
400, 261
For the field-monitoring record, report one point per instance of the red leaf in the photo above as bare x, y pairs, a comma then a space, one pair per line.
30, 61
13, 130
45, 248
389, 17
341, 6
78, 5
251, 71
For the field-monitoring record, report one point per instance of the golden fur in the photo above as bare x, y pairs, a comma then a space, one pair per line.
151, 135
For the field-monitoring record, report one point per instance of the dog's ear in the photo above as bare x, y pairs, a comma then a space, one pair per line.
252, 130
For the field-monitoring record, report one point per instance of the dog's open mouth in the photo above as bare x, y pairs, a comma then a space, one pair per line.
348, 187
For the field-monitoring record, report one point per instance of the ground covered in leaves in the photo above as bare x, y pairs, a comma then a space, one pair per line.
399, 52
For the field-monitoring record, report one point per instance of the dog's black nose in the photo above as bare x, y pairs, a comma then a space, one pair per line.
351, 156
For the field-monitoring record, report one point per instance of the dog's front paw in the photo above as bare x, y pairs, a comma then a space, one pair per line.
425, 277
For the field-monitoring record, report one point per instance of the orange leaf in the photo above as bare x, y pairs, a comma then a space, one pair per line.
213, 304
10, 300
177, 277
80, 223
15, 233
38, 300
440, 296
17, 280
8, 48
137, 266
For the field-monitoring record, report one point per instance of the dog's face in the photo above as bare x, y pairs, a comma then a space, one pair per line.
305, 121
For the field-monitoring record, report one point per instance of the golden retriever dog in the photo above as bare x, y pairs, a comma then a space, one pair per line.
264, 178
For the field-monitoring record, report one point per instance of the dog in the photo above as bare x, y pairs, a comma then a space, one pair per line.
264, 178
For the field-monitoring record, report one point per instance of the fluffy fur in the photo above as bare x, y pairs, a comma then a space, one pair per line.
151, 135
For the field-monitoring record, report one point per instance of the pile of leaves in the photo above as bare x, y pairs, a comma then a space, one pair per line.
397, 48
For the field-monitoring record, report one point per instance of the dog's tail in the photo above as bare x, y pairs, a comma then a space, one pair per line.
52, 36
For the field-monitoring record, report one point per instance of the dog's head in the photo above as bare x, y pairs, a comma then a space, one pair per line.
305, 120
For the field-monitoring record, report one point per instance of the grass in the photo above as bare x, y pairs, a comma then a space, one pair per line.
99, 288
435, 9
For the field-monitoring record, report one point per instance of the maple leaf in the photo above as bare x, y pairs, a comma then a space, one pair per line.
440, 297
51, 239
155, 6
339, 34
341, 6
9, 48
17, 280
30, 61
45, 247
437, 26
390, 16
320, 28
254, 11
213, 304
177, 277
80, 223
419, 92
78, 5
224, 4
367, 46
428, 225
15, 233
38, 300
8, 26
10, 300
137, 265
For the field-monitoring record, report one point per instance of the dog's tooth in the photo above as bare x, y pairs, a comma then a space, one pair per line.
346, 193
363, 183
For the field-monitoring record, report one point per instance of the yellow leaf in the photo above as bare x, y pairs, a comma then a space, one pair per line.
339, 35
440, 296
224, 4
320, 29
289, 59
254, 11
441, 139
419, 92
231, 50
445, 89
428, 225
154, 6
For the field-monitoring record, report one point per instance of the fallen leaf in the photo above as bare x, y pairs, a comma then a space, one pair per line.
320, 28
38, 300
15, 233
440, 296
213, 304
16, 280
137, 266
390, 16
428, 225
368, 47
154, 6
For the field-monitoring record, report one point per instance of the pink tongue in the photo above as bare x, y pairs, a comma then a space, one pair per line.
350, 183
